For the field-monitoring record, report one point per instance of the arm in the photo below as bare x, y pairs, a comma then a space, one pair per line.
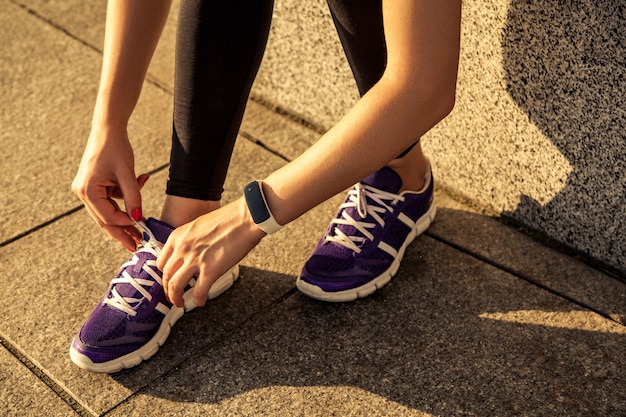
415, 93
106, 170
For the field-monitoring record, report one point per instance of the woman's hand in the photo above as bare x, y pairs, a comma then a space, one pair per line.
106, 171
206, 248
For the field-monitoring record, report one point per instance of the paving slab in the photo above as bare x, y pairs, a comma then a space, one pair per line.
304, 69
86, 21
24, 394
49, 82
278, 133
450, 335
520, 254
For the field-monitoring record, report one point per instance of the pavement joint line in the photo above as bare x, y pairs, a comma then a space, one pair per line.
281, 111
46, 379
204, 348
156, 82
260, 143
55, 25
40, 226
61, 216
149, 78
546, 240
519, 275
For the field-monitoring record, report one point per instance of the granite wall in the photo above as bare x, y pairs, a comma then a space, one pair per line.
538, 131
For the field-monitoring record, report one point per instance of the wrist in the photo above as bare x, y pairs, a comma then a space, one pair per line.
259, 209
108, 115
248, 222
108, 124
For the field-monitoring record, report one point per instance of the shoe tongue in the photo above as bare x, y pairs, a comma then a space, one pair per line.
385, 179
161, 232
159, 229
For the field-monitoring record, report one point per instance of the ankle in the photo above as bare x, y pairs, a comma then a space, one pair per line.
180, 210
412, 169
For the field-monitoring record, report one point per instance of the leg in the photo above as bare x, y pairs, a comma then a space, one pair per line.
359, 24
218, 52
382, 214
219, 49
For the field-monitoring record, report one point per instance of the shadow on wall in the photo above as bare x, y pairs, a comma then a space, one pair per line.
565, 66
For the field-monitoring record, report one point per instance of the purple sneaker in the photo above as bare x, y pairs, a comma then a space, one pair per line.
365, 242
133, 318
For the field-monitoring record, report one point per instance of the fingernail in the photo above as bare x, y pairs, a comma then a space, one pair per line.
136, 214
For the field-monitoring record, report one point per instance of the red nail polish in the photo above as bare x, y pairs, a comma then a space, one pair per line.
136, 214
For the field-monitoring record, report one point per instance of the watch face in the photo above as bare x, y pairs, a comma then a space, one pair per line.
256, 202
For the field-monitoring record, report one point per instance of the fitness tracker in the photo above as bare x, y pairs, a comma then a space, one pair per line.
257, 206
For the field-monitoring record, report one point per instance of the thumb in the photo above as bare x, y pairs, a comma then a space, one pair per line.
132, 196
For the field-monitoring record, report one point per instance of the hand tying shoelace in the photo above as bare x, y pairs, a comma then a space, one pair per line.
133, 318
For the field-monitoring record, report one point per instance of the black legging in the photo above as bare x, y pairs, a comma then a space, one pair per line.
219, 48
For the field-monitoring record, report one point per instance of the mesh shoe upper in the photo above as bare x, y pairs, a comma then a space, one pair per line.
133, 306
368, 232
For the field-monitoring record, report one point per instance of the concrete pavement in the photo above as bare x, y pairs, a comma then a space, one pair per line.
480, 319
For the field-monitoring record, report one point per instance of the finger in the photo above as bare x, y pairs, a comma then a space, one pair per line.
119, 233
131, 230
134, 233
168, 266
177, 283
164, 256
202, 287
132, 196
116, 192
102, 209
142, 180
105, 210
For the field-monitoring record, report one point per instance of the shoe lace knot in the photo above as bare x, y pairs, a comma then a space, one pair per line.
146, 254
370, 214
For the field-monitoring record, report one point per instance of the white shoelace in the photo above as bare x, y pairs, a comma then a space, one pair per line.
125, 304
357, 198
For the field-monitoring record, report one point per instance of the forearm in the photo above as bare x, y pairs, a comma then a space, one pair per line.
380, 126
133, 29
415, 93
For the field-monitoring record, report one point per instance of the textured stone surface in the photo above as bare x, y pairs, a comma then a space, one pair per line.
278, 133
23, 394
86, 20
49, 82
449, 335
76, 262
514, 251
304, 69
537, 130
536, 133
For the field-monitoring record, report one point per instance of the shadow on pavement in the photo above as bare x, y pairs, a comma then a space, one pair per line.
449, 335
